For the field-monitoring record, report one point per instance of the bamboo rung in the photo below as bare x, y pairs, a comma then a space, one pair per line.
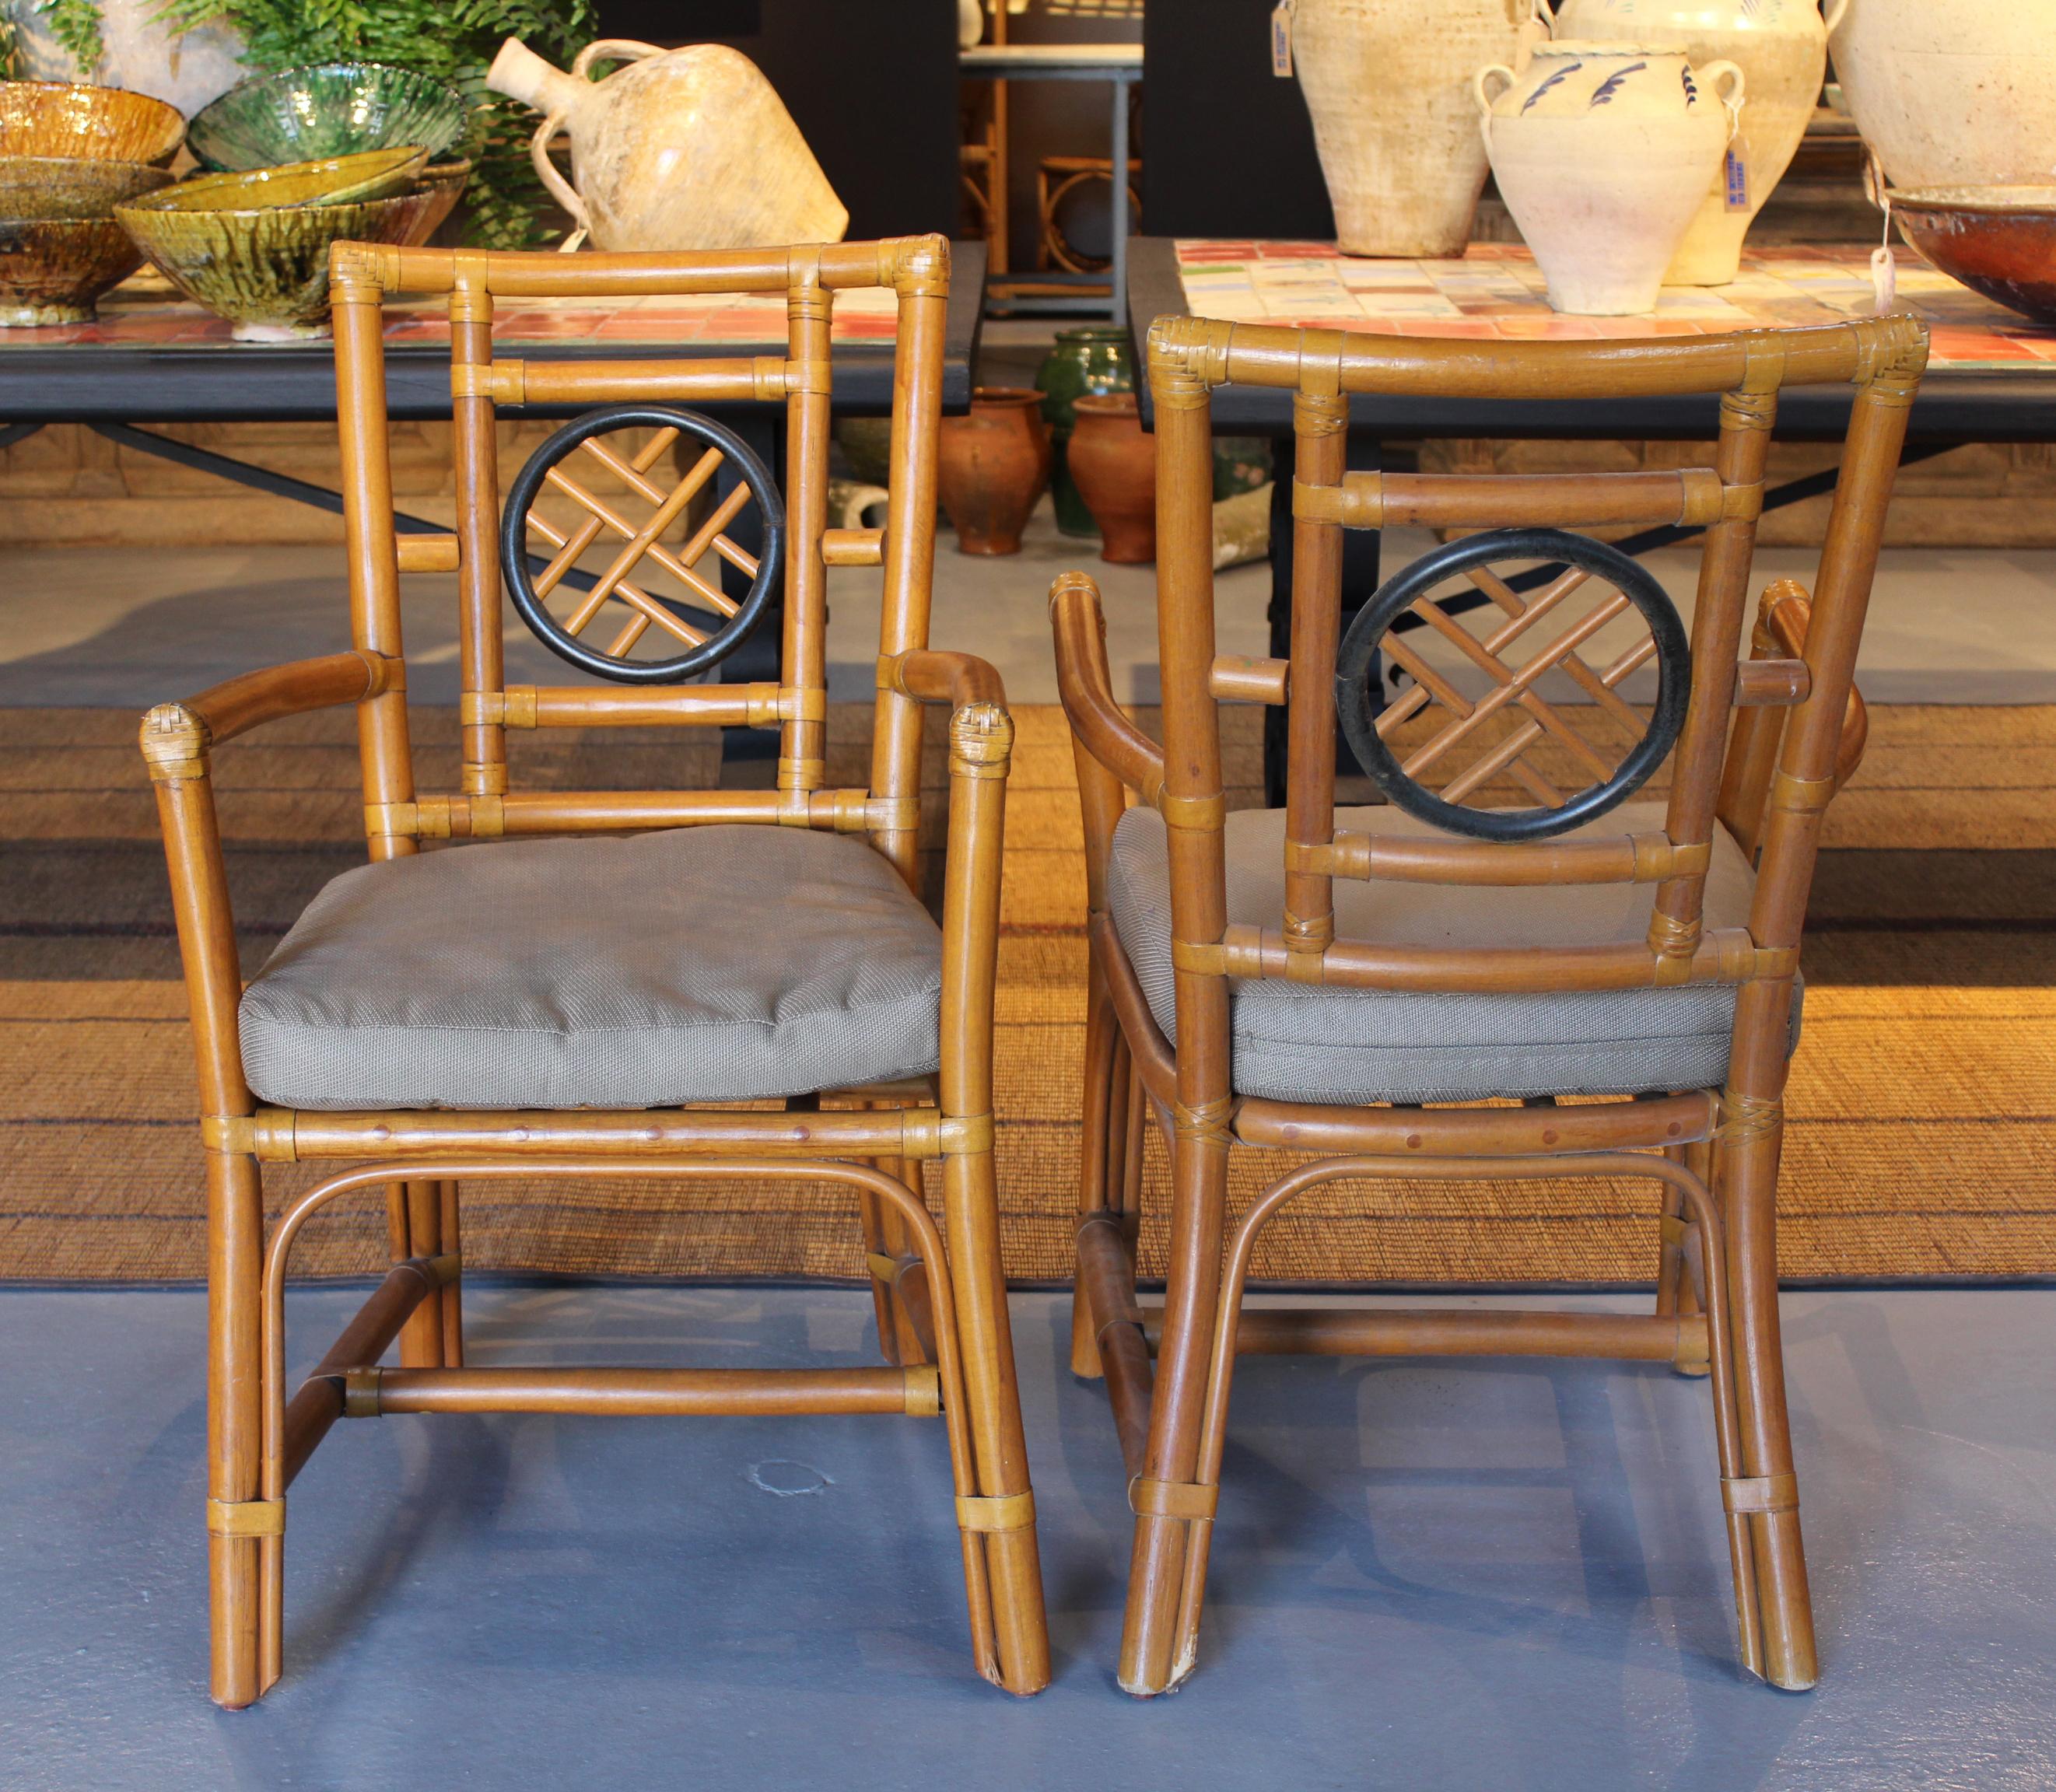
1108, 1278
319, 1404
667, 1393
1441, 1332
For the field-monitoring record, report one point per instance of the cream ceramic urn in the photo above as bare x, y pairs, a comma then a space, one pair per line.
687, 148
1781, 48
1387, 83
1603, 152
1952, 92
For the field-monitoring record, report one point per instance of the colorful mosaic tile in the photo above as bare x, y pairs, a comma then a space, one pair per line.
142, 314
1497, 291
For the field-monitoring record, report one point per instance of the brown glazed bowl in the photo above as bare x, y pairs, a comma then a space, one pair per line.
1999, 241
73, 186
442, 184
52, 270
65, 118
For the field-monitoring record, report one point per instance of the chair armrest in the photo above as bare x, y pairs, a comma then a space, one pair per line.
929, 676
238, 704
176, 739
1788, 614
1097, 722
1784, 614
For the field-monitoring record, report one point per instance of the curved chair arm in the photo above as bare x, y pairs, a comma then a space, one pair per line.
1783, 618
176, 739
238, 704
1083, 683
981, 753
929, 676
1788, 614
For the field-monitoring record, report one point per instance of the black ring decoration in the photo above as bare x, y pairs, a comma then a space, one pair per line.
733, 631
1404, 588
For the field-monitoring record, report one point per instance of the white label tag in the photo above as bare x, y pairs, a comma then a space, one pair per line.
1734, 182
1281, 40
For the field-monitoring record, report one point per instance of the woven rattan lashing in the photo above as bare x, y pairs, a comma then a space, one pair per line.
649, 501
1758, 740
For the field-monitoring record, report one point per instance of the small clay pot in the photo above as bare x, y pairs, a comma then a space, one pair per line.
994, 465
1094, 358
1115, 466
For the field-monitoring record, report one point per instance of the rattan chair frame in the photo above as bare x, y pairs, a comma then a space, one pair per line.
941, 1307
1771, 731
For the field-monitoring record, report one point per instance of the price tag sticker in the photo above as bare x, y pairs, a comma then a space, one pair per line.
1281, 40
1734, 182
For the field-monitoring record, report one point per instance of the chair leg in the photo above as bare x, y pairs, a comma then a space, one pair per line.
1104, 1114
1675, 1292
986, 1348
900, 1294
1156, 1650
414, 1221
235, 1405
452, 1292
1748, 1190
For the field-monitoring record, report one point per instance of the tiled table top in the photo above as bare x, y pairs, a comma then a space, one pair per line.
143, 314
1497, 291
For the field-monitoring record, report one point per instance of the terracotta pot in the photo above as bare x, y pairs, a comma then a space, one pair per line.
1950, 93
1602, 153
1386, 84
1781, 46
1115, 466
688, 148
1095, 358
994, 465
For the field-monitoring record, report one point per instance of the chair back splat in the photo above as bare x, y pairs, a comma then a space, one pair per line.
654, 991
1382, 984
622, 475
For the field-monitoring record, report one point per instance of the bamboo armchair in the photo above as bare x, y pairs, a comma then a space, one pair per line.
1500, 950
723, 913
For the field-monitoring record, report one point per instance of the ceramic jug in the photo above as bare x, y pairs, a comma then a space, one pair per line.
687, 148
1603, 152
1782, 47
1385, 82
1952, 92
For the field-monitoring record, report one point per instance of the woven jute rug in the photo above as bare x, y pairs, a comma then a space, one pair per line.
1922, 1141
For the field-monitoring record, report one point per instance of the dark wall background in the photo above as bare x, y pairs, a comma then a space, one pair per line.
871, 84
1228, 149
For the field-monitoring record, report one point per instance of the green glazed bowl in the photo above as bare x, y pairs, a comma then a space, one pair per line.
65, 118
266, 271
52, 270
71, 186
377, 174
326, 108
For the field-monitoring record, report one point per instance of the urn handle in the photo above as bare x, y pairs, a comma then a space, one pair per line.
561, 189
1486, 99
609, 49
613, 50
1712, 74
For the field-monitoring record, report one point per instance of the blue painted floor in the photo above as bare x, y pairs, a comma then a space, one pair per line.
1427, 1575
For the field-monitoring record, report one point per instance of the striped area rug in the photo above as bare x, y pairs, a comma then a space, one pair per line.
1924, 1099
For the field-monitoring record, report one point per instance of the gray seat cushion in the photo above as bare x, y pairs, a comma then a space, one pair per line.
699, 963
1303, 1042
